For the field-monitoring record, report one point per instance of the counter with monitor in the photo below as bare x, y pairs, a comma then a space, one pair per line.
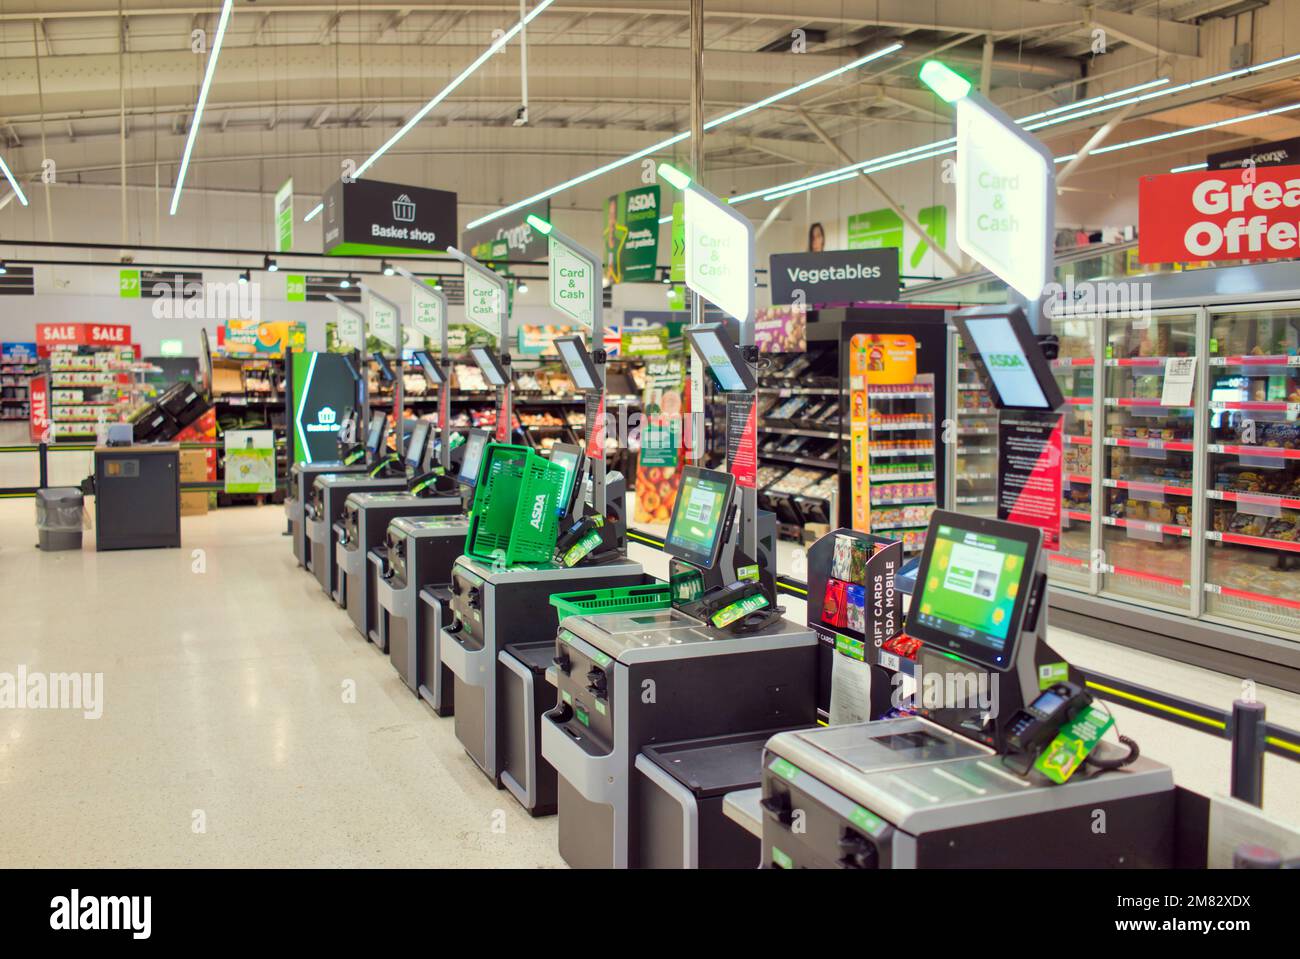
716, 660
1005, 761
361, 543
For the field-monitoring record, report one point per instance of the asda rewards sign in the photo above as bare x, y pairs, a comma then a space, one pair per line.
842, 276
371, 217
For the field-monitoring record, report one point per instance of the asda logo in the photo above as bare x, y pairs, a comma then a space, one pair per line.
1005, 361
640, 201
539, 510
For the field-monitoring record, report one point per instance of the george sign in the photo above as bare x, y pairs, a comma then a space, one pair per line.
632, 235
370, 218
485, 299
509, 238
381, 321
573, 284
428, 313
1219, 215
250, 461
720, 255
284, 217
1277, 153
842, 276
1006, 202
1029, 472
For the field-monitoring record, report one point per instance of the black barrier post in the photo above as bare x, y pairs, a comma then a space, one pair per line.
44, 466
1248, 732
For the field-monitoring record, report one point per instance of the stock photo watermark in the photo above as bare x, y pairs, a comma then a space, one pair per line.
32, 689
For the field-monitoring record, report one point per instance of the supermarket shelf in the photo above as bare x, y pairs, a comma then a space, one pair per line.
982, 411
879, 453
976, 431
1169, 529
1148, 577
1236, 593
798, 431
1142, 361
1079, 479
913, 395
1067, 362
922, 525
1275, 359
903, 501
801, 390
976, 477
1141, 487
1257, 406
1254, 499
976, 450
1275, 451
1078, 516
799, 460
1263, 542
1079, 440
976, 500
901, 427
1177, 446
901, 477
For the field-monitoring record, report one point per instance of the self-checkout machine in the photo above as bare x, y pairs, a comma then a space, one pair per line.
499, 596
352, 454
389, 471
361, 544
662, 697
410, 587
1002, 762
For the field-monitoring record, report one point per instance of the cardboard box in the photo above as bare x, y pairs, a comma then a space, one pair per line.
194, 503
194, 466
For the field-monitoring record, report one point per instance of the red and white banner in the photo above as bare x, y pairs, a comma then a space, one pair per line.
50, 335
1252, 213
39, 407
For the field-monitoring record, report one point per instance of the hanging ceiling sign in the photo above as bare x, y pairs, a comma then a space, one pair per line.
284, 217
351, 329
840, 276
428, 312
372, 218
510, 237
1006, 203
382, 321
720, 255
573, 286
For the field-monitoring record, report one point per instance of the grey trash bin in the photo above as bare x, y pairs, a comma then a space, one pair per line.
58, 517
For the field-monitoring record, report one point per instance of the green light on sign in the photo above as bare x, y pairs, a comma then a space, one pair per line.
944, 81
538, 224
674, 176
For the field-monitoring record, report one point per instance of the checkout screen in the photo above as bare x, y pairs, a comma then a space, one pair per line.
971, 587
715, 356
697, 521
1008, 367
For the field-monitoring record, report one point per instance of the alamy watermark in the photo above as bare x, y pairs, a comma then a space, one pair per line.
194, 300
950, 689
26, 689
1130, 299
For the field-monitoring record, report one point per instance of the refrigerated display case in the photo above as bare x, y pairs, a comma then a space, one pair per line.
1075, 368
976, 467
1150, 443
1252, 556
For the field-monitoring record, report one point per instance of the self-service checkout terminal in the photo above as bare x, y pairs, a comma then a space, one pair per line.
499, 628
361, 550
352, 456
411, 591
1003, 762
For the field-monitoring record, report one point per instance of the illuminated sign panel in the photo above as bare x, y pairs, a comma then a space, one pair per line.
573, 282
720, 256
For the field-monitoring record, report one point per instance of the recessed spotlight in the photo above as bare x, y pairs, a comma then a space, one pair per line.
345, 283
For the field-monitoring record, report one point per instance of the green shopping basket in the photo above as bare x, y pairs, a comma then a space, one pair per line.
615, 599
514, 519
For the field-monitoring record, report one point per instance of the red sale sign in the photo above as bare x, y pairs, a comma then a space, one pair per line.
58, 334
1250, 213
107, 334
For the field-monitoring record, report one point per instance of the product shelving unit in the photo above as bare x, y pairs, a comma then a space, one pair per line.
89, 386
1075, 369
248, 393
15, 389
903, 488
976, 467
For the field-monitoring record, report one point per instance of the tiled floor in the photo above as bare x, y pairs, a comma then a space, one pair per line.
226, 739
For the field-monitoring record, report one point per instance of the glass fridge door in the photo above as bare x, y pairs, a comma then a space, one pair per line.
1149, 451
1252, 557
977, 446
1075, 369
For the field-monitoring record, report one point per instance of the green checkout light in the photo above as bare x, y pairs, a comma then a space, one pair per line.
538, 224
944, 81
674, 176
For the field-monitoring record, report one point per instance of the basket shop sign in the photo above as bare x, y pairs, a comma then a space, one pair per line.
370, 217
1249, 214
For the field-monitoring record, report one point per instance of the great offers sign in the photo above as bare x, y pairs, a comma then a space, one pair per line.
370, 217
844, 276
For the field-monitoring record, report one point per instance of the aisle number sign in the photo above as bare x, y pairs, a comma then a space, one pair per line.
573, 282
128, 284
485, 298
382, 322
720, 255
428, 313
1005, 197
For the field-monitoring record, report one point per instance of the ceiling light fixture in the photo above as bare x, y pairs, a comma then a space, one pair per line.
387, 268
244, 277
1189, 168
203, 99
678, 138
446, 91
13, 182
270, 265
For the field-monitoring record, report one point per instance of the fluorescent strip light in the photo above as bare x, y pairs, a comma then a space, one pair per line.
13, 182
875, 168
1186, 131
664, 144
1190, 167
446, 91
1109, 101
464, 75
203, 99
666, 219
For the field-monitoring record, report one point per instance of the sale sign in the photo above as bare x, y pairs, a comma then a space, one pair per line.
1251, 213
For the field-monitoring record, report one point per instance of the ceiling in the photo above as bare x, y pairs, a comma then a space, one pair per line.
108, 87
